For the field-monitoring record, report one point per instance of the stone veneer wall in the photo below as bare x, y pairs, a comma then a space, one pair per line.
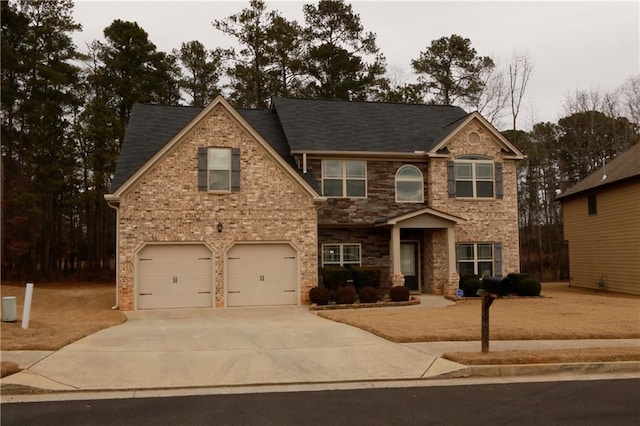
381, 192
488, 220
166, 206
374, 246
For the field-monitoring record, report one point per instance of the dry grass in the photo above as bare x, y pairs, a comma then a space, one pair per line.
8, 368
563, 313
545, 356
61, 313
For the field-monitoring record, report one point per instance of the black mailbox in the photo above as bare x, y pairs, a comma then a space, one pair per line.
492, 285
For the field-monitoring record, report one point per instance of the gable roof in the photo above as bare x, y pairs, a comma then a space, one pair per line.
305, 126
150, 128
153, 129
625, 166
508, 149
331, 125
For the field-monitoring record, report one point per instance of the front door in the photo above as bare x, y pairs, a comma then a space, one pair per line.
409, 265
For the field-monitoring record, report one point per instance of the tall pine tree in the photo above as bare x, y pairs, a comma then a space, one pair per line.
38, 100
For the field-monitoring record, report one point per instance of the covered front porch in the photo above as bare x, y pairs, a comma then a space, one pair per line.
422, 251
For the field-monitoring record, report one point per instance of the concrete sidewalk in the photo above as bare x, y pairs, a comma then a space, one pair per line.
200, 348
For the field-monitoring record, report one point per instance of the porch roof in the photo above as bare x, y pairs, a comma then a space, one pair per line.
423, 218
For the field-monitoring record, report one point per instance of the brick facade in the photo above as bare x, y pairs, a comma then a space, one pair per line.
487, 220
164, 205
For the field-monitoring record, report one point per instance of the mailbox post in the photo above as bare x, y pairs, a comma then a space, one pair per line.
487, 300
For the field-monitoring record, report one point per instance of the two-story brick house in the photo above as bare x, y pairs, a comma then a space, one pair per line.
224, 207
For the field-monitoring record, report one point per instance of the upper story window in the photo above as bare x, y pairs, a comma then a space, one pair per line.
219, 169
409, 185
344, 178
475, 177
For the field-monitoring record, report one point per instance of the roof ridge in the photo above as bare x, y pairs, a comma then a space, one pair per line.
364, 102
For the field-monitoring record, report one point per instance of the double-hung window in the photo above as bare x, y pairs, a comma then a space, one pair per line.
475, 258
344, 178
475, 177
218, 169
340, 254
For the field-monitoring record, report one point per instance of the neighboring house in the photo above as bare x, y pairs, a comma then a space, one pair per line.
225, 207
602, 224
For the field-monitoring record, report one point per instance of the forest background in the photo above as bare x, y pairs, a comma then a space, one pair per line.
64, 113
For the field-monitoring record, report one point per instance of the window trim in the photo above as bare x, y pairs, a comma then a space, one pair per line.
341, 247
475, 161
210, 150
344, 178
398, 178
203, 170
476, 260
497, 178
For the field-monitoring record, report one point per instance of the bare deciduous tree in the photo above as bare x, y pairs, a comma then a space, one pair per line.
630, 93
493, 99
520, 69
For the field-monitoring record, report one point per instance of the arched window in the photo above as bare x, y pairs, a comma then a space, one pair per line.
409, 185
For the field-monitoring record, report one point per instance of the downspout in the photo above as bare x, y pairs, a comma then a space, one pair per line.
117, 305
304, 163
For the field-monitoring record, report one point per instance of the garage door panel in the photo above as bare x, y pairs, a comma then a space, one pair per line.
175, 276
262, 297
262, 274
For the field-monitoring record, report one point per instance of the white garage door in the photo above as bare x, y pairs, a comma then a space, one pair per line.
262, 274
175, 276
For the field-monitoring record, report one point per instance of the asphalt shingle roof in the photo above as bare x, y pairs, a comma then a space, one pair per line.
150, 128
330, 125
625, 166
298, 125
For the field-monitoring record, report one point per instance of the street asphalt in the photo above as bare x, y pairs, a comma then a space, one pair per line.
217, 348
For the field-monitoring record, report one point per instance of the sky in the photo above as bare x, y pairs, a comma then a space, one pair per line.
574, 45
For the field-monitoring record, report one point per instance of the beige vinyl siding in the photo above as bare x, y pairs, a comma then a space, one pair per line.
606, 244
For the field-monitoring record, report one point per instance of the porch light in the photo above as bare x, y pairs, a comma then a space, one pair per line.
219, 226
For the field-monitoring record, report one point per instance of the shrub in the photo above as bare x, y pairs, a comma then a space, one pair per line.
365, 277
345, 295
399, 293
528, 287
320, 296
464, 278
368, 295
334, 277
471, 286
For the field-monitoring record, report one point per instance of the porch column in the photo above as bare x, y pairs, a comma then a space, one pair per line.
394, 254
451, 258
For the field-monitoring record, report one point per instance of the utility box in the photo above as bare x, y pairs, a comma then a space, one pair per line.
9, 309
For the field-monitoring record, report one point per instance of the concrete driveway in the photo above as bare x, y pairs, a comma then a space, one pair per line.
226, 347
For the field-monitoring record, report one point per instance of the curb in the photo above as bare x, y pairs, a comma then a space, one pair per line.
516, 370
475, 371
